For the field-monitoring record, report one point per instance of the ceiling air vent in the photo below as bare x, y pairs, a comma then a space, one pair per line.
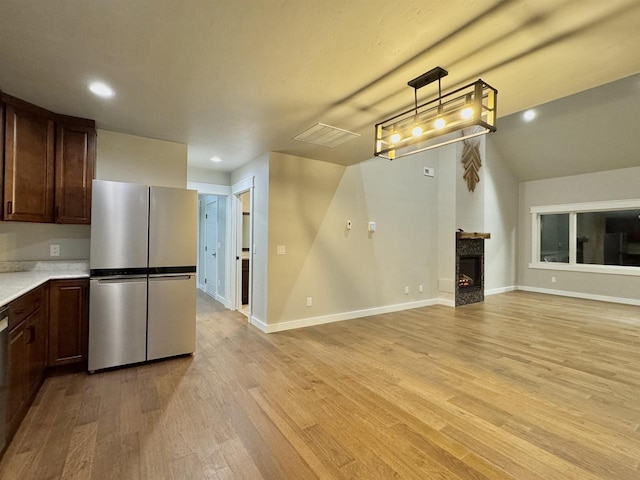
326, 135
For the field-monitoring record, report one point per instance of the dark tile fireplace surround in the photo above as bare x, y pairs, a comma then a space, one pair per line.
469, 282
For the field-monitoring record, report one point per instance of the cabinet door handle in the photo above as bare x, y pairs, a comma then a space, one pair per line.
32, 335
9, 207
57, 211
20, 312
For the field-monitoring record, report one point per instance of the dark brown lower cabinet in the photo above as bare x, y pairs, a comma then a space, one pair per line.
36, 340
17, 387
27, 354
68, 321
49, 328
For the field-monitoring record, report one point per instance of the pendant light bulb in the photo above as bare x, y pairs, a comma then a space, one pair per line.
467, 113
417, 131
395, 138
439, 123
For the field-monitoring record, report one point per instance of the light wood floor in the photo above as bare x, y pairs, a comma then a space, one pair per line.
523, 386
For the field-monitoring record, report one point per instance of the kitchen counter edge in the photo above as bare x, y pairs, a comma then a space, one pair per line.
15, 284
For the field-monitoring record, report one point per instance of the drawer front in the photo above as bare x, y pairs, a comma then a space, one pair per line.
24, 306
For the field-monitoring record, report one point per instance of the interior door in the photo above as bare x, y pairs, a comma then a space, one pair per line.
211, 246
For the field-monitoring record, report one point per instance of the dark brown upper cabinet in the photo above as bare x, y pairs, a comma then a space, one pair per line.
28, 163
75, 158
48, 164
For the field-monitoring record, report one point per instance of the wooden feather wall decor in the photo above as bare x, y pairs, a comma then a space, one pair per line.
472, 163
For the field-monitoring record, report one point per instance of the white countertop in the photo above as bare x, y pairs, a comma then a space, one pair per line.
16, 284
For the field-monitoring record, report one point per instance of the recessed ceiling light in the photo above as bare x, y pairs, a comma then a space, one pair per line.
215, 159
529, 115
102, 89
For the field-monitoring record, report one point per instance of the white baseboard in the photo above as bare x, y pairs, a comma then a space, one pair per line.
220, 299
338, 317
260, 324
586, 296
201, 286
495, 291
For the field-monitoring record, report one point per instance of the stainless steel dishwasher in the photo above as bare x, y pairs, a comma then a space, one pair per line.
4, 374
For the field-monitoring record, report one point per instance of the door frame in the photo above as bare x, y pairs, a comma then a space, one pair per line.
215, 295
246, 185
221, 191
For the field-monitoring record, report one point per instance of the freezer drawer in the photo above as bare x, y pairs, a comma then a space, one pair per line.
172, 316
117, 322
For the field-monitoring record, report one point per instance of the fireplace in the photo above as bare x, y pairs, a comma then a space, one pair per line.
469, 267
470, 272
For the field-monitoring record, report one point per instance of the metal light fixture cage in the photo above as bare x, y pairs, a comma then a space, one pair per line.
464, 113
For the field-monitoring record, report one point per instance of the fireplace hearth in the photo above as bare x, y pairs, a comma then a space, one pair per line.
469, 267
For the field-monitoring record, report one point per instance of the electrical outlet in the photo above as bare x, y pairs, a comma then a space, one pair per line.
420, 289
553, 279
429, 172
54, 250
281, 250
406, 290
309, 301
348, 224
371, 226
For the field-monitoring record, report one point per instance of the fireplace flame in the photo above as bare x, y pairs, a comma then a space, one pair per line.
465, 281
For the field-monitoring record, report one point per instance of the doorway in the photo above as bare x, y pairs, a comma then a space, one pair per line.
243, 247
213, 242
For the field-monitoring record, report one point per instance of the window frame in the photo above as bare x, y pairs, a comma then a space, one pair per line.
573, 209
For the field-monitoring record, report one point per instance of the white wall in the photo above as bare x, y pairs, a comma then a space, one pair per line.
446, 174
205, 175
259, 169
350, 270
610, 185
500, 219
127, 158
30, 241
470, 205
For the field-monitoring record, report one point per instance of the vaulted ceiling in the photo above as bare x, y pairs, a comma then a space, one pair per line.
237, 78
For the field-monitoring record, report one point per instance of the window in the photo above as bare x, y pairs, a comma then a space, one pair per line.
601, 237
609, 238
554, 238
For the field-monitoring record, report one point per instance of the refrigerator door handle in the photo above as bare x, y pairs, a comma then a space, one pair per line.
121, 280
176, 276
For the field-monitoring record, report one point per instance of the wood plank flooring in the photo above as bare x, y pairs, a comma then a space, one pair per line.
522, 386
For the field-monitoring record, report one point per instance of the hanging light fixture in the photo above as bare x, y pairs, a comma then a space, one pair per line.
464, 113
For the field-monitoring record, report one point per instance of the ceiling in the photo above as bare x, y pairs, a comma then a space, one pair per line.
238, 78
586, 132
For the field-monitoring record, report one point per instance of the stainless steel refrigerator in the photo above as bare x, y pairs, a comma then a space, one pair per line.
143, 285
